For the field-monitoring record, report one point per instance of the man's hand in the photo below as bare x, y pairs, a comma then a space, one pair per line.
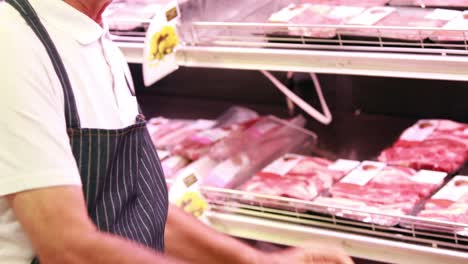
312, 254
194, 242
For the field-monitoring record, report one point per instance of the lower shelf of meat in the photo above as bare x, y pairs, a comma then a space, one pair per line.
449, 205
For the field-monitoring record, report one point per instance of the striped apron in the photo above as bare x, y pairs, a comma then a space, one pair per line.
123, 182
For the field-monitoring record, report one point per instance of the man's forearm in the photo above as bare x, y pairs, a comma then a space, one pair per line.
104, 248
189, 239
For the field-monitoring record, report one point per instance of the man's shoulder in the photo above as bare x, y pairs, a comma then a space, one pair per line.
14, 32
10, 20
18, 41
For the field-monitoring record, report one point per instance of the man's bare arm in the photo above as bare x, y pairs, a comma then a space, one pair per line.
57, 223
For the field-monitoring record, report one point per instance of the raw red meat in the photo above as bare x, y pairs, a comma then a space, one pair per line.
176, 136
296, 176
199, 144
388, 190
440, 145
450, 203
160, 127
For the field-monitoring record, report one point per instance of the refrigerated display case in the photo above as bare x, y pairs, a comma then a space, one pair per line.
237, 35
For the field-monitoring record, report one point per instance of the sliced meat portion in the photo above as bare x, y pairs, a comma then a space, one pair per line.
394, 190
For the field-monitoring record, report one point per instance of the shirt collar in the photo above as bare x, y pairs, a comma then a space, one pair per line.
61, 15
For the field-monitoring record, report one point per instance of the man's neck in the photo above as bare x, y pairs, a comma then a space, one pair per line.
91, 8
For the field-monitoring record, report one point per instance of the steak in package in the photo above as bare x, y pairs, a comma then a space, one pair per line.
449, 204
315, 15
374, 188
297, 176
430, 144
400, 17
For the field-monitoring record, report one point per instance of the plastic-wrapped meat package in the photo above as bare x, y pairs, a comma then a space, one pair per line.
401, 17
440, 145
173, 164
454, 31
247, 153
160, 127
297, 176
449, 204
348, 2
176, 136
430, 3
234, 120
199, 144
315, 15
323, 15
374, 188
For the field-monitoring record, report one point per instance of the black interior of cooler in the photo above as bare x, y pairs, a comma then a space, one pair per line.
369, 112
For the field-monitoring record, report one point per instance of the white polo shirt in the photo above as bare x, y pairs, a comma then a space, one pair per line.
35, 150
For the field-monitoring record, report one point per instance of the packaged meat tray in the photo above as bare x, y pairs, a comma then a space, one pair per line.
449, 204
297, 176
174, 132
234, 120
400, 17
374, 188
239, 155
315, 15
456, 30
160, 127
431, 3
172, 164
246, 153
431, 144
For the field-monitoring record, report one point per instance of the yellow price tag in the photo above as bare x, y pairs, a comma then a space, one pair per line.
192, 203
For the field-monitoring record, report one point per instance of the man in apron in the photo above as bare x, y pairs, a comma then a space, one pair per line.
81, 181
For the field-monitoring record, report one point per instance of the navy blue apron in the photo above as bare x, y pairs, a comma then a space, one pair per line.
123, 182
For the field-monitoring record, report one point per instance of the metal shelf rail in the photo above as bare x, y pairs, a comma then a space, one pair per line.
267, 46
254, 216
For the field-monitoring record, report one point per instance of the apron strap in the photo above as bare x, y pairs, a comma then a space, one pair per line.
33, 21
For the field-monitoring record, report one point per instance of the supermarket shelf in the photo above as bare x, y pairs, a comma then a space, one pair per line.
353, 63
379, 236
264, 46
279, 232
403, 65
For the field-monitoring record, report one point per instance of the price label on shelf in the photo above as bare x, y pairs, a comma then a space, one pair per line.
284, 164
454, 190
185, 193
364, 173
162, 40
420, 131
